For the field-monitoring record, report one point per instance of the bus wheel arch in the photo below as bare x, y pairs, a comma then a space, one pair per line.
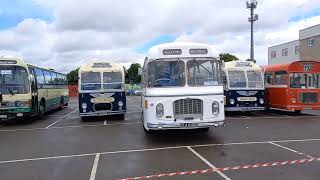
61, 103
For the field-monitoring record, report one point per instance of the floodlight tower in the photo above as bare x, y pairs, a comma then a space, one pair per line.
252, 4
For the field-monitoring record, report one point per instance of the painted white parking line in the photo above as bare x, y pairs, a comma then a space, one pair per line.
129, 99
62, 118
208, 163
289, 149
95, 167
62, 127
151, 149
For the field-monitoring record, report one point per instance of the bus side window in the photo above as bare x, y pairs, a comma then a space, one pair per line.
268, 78
47, 77
280, 78
39, 77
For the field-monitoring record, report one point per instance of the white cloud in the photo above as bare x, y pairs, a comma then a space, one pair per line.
82, 28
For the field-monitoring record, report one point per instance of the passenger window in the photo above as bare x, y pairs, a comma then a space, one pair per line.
268, 78
47, 77
39, 77
280, 78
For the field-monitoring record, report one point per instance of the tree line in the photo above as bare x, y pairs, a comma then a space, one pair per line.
132, 75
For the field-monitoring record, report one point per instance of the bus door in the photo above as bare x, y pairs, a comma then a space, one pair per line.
34, 91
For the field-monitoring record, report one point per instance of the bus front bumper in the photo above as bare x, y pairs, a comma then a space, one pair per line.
102, 113
16, 115
244, 108
183, 125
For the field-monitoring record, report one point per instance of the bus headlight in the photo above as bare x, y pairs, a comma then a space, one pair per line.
261, 100
293, 100
215, 108
84, 105
232, 101
159, 110
120, 103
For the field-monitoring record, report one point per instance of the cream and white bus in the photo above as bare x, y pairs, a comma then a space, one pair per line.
102, 90
182, 87
27, 90
244, 87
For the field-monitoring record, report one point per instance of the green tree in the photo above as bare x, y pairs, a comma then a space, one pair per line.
72, 77
132, 75
228, 57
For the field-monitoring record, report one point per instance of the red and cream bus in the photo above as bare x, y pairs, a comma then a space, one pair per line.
294, 86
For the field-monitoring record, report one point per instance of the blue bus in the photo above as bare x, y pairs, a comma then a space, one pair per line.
243, 86
101, 90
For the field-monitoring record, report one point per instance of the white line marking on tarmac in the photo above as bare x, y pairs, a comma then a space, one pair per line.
95, 167
129, 99
289, 149
208, 163
62, 118
62, 127
150, 149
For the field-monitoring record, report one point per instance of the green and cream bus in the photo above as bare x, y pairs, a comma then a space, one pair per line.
27, 90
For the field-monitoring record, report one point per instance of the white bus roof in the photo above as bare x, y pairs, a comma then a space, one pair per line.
179, 50
101, 66
241, 65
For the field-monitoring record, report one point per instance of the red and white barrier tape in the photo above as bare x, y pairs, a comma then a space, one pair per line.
270, 164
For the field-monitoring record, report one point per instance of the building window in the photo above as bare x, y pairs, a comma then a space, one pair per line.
273, 54
285, 52
311, 42
297, 49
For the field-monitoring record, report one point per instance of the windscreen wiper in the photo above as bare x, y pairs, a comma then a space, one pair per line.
11, 92
203, 67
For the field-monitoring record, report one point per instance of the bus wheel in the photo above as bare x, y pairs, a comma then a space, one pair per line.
42, 109
297, 111
61, 103
206, 129
147, 131
121, 116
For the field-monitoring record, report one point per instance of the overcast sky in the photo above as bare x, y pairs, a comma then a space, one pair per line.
63, 34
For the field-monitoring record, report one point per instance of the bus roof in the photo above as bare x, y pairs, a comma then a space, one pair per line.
296, 66
179, 50
240, 64
101, 66
10, 60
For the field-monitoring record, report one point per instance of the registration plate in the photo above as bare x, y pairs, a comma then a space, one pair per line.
189, 124
102, 100
3, 116
247, 99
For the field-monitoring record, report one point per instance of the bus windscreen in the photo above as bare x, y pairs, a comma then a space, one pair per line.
14, 80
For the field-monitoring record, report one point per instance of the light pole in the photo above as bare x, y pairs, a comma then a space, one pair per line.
253, 17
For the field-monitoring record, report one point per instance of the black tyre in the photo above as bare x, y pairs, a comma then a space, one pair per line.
120, 116
205, 129
61, 103
297, 111
147, 131
42, 109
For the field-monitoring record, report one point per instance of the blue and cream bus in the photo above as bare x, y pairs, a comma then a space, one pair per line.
102, 90
27, 90
243, 86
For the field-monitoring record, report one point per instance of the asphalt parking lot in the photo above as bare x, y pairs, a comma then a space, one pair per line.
261, 145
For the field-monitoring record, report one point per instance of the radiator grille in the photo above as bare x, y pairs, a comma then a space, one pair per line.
189, 107
103, 107
308, 97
